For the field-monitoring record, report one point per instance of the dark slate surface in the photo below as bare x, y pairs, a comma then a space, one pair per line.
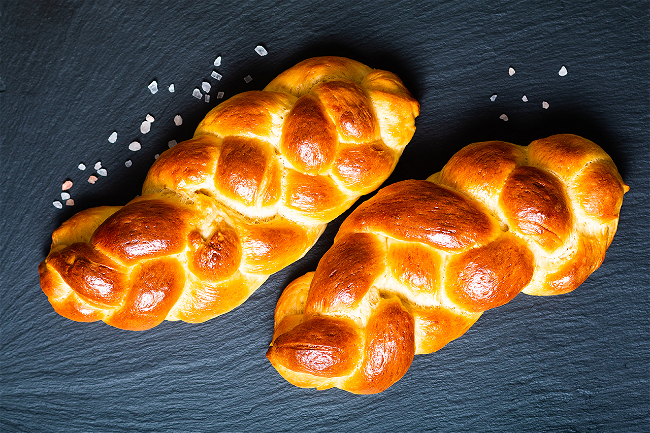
72, 72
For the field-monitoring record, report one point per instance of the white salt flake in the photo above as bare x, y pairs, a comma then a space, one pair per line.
113, 137
178, 120
156, 156
503, 117
98, 165
511, 71
217, 76
171, 88
248, 78
134, 146
562, 72
217, 61
81, 166
219, 95
153, 87
261, 50
172, 143
206, 86
524, 98
128, 163
493, 97
102, 172
207, 98
145, 127
69, 202
197, 93
544, 105
149, 118
57, 204
65, 196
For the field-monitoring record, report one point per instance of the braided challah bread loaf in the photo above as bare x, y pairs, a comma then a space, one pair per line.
415, 266
247, 196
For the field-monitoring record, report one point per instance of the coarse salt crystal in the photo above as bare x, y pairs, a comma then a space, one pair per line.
511, 71
57, 204
544, 105
92, 179
206, 86
261, 50
178, 120
197, 93
172, 143
128, 163
149, 118
503, 117
153, 87
156, 156
562, 72
102, 172
207, 98
217, 61
67, 185
98, 165
113, 137
248, 78
219, 95
145, 127
217, 76
171, 88
493, 97
81, 166
134, 146
65, 196
524, 98
69, 202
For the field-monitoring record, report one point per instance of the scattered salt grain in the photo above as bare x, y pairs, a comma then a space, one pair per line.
217, 61
197, 93
134, 146
511, 71
493, 97
248, 78
57, 204
102, 172
98, 165
207, 98
524, 98
261, 50
149, 118
206, 86
92, 179
562, 72
156, 156
113, 137
503, 117
81, 166
172, 143
544, 105
67, 185
219, 95
145, 127
171, 88
153, 87
65, 196
217, 76
128, 163
69, 202
178, 120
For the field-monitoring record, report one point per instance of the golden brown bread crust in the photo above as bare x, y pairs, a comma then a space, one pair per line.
247, 196
416, 265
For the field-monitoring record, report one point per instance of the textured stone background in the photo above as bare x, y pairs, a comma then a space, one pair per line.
72, 72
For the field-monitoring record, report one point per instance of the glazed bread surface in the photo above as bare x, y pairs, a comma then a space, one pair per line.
416, 265
247, 196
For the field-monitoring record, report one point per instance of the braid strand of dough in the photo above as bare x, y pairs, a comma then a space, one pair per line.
416, 265
247, 196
